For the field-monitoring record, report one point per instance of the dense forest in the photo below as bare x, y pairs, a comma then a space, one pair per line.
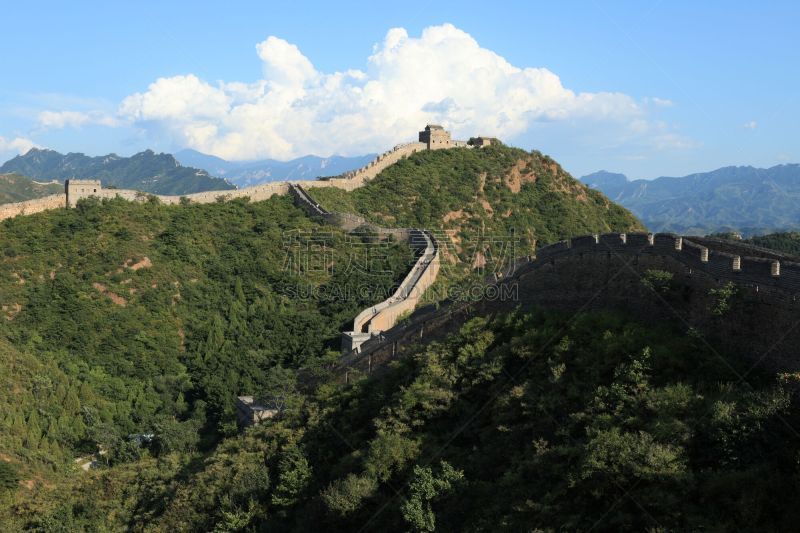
523, 422
788, 243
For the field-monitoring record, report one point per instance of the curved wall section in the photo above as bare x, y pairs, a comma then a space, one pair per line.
382, 316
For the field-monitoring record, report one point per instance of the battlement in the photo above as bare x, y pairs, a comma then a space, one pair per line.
571, 273
778, 271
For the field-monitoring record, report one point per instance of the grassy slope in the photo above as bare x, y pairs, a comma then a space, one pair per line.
479, 195
16, 188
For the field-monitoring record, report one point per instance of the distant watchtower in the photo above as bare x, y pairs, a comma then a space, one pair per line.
77, 189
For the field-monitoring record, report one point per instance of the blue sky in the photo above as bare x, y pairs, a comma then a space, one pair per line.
644, 88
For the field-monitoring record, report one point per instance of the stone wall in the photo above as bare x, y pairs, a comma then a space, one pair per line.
606, 271
384, 315
356, 178
55, 201
78, 189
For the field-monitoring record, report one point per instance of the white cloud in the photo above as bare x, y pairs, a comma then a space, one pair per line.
751, 125
18, 145
659, 102
74, 119
442, 76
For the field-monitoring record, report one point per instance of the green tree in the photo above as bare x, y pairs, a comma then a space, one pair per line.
294, 473
424, 489
9, 476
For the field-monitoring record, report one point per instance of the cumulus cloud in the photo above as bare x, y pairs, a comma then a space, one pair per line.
19, 145
74, 119
442, 76
751, 125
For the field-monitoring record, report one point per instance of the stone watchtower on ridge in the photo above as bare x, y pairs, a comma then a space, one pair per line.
77, 189
435, 138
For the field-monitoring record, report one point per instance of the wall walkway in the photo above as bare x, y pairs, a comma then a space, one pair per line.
373, 320
571, 274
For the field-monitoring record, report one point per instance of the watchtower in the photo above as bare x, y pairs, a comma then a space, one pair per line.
435, 137
77, 189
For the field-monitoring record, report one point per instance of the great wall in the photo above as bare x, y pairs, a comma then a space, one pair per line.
592, 271
371, 321
433, 137
606, 272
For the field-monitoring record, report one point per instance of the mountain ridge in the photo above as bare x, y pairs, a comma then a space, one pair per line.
146, 171
476, 199
247, 173
746, 199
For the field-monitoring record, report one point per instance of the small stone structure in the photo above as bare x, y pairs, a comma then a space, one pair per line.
249, 413
434, 137
77, 189
480, 142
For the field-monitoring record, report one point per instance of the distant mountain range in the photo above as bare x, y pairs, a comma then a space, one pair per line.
748, 200
245, 174
186, 172
145, 171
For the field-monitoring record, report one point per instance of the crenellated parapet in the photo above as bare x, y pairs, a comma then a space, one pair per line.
778, 272
29, 207
572, 274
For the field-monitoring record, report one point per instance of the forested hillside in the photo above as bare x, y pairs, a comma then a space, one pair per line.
788, 243
128, 329
124, 319
541, 421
